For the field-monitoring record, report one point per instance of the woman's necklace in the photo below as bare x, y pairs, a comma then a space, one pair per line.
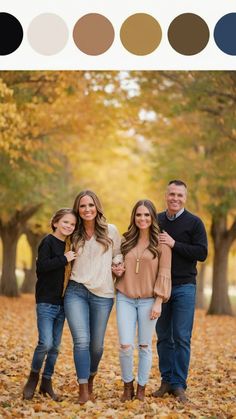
138, 259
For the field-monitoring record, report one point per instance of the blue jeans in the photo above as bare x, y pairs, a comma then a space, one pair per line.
131, 312
50, 322
174, 330
87, 316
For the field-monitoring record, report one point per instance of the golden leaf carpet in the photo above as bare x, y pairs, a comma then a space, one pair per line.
211, 384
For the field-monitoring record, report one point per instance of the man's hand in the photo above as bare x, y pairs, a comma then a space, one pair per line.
165, 238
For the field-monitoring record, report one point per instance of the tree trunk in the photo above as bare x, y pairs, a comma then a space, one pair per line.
223, 239
200, 286
10, 232
34, 239
10, 236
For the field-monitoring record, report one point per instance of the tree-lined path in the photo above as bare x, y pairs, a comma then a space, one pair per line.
124, 135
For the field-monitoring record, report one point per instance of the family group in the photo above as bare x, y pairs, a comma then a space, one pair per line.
84, 265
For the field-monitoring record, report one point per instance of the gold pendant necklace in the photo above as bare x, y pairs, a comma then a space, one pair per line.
138, 259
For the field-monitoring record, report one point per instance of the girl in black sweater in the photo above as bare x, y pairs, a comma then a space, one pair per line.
52, 266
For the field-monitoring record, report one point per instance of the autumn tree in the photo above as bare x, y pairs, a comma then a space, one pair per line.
32, 123
68, 123
194, 138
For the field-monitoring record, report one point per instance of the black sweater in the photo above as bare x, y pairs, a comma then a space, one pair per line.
50, 269
190, 246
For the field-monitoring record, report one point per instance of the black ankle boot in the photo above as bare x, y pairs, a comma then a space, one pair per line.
46, 388
31, 385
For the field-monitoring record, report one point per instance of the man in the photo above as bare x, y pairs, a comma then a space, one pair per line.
186, 235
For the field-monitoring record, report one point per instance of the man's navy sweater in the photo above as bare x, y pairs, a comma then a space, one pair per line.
190, 246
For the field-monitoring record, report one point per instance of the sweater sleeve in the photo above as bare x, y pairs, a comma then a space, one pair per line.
197, 249
45, 262
116, 241
162, 287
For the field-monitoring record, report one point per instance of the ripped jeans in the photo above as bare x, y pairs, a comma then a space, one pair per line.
131, 312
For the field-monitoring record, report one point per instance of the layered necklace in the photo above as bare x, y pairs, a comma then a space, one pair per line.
139, 257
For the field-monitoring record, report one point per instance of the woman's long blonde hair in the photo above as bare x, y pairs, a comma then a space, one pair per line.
101, 226
132, 234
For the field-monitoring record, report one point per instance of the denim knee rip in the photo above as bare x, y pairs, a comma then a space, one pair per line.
144, 348
127, 350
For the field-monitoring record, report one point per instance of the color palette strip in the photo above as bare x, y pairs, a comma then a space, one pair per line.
132, 37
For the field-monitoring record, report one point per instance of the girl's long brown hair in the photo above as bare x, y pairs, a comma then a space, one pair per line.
132, 234
101, 226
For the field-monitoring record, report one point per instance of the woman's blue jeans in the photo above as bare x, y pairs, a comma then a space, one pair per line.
132, 312
174, 330
87, 316
50, 322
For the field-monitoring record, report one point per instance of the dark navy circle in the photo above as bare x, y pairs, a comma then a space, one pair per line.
225, 34
11, 33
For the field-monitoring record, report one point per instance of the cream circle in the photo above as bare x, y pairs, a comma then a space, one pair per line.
48, 34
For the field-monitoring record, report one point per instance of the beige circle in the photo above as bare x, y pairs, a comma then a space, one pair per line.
48, 34
140, 34
93, 34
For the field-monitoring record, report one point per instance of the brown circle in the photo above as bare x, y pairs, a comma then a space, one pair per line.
188, 34
93, 34
140, 34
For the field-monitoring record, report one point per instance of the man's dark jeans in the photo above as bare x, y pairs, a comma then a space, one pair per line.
174, 330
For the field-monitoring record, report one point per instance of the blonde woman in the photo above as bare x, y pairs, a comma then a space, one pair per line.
90, 293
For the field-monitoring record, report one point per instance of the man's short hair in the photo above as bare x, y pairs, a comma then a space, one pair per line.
177, 182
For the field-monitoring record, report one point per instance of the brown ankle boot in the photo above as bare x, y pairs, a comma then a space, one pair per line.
90, 383
128, 393
163, 389
179, 393
83, 393
140, 395
46, 388
31, 385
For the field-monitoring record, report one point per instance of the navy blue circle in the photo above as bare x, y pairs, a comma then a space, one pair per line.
225, 34
11, 33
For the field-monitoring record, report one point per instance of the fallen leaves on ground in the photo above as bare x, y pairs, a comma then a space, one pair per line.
211, 384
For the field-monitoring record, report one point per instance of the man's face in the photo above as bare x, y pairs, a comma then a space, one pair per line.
176, 196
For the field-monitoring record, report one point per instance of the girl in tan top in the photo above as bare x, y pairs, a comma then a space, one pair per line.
141, 290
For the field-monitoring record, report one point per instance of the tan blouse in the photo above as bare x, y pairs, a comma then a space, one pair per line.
153, 278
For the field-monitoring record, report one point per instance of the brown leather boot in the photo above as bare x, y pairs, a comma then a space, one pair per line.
31, 385
179, 393
90, 383
83, 393
140, 395
163, 389
46, 388
128, 393
90, 387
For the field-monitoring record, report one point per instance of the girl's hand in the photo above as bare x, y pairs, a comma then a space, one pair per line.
156, 309
70, 255
118, 269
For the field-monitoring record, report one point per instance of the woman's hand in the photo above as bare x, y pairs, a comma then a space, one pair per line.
156, 309
70, 255
118, 269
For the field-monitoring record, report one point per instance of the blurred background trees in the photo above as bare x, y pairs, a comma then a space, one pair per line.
124, 135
